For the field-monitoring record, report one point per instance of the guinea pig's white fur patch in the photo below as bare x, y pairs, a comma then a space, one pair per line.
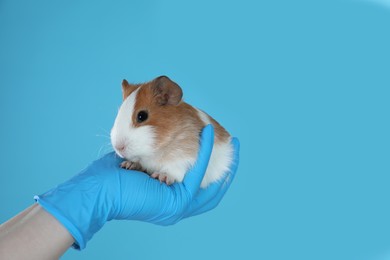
138, 141
221, 157
219, 163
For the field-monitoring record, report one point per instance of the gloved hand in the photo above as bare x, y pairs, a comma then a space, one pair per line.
103, 191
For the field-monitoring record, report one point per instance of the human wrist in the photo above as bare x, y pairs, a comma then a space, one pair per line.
84, 203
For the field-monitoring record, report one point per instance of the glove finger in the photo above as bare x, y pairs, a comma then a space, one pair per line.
215, 201
195, 175
209, 198
203, 197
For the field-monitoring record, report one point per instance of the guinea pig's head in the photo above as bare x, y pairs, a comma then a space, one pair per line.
146, 118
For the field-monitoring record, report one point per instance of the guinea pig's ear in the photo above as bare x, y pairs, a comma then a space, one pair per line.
127, 89
166, 92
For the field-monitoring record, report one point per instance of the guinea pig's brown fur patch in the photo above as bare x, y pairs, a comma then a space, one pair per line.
176, 126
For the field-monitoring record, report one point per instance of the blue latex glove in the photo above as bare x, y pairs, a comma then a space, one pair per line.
103, 191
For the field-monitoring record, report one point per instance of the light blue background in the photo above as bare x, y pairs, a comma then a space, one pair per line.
303, 84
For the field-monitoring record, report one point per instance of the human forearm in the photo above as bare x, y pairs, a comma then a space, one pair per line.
33, 234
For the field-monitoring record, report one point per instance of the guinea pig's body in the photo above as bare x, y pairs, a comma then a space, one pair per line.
158, 133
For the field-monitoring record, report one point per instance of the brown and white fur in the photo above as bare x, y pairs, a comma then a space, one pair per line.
166, 144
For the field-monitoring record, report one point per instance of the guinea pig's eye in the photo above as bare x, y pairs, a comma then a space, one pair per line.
142, 116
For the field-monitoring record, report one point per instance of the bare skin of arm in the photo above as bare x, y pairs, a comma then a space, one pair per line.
33, 234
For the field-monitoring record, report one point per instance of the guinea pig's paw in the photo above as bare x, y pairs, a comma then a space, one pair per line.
162, 177
126, 165
131, 166
169, 180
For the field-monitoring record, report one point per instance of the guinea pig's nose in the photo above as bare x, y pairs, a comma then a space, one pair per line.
120, 147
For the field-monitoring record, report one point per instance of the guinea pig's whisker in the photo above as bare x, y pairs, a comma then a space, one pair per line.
103, 135
105, 148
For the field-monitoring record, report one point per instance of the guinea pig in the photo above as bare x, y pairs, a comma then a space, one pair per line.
156, 132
